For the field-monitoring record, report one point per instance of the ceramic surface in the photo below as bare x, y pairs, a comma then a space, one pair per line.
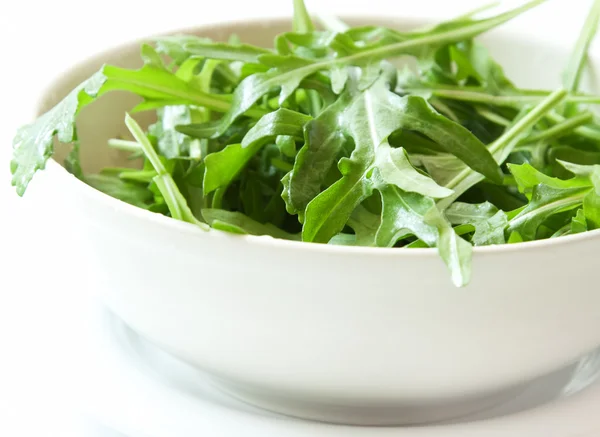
354, 335
140, 390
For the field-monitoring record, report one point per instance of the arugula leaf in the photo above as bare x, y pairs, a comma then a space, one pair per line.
224, 51
116, 187
527, 178
545, 201
454, 139
288, 75
287, 145
396, 169
327, 213
579, 223
33, 143
175, 201
160, 87
239, 223
302, 21
369, 119
455, 251
464, 178
365, 225
460, 213
590, 173
222, 167
489, 223
490, 230
72, 162
403, 215
171, 144
323, 140
591, 210
174, 46
572, 74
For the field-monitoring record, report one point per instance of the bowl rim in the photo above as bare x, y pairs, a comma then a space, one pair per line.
121, 207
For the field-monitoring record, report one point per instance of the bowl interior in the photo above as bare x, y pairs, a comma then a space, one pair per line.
533, 62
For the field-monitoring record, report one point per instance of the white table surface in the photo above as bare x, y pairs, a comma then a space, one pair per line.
38, 276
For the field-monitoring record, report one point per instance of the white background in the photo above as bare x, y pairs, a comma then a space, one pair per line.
38, 39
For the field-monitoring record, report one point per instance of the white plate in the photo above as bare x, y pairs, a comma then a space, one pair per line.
139, 390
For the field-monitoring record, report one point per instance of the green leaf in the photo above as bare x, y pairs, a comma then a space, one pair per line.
280, 122
474, 60
157, 85
591, 209
343, 240
490, 230
463, 179
460, 213
151, 57
572, 74
302, 21
454, 251
222, 167
396, 169
515, 237
238, 223
323, 140
339, 77
421, 117
545, 201
174, 46
579, 223
33, 143
527, 178
561, 129
516, 99
171, 144
327, 213
371, 116
73, 163
393, 113
132, 193
177, 204
224, 51
588, 173
287, 145
365, 225
287, 76
403, 215
489, 223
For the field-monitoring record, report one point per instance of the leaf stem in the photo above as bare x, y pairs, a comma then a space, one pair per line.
465, 32
403, 47
557, 204
302, 22
128, 146
470, 14
502, 147
584, 131
164, 181
507, 100
563, 128
145, 144
572, 74
332, 23
492, 116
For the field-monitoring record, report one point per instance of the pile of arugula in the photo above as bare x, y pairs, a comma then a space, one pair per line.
322, 139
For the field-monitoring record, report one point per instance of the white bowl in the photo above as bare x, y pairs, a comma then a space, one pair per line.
341, 334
